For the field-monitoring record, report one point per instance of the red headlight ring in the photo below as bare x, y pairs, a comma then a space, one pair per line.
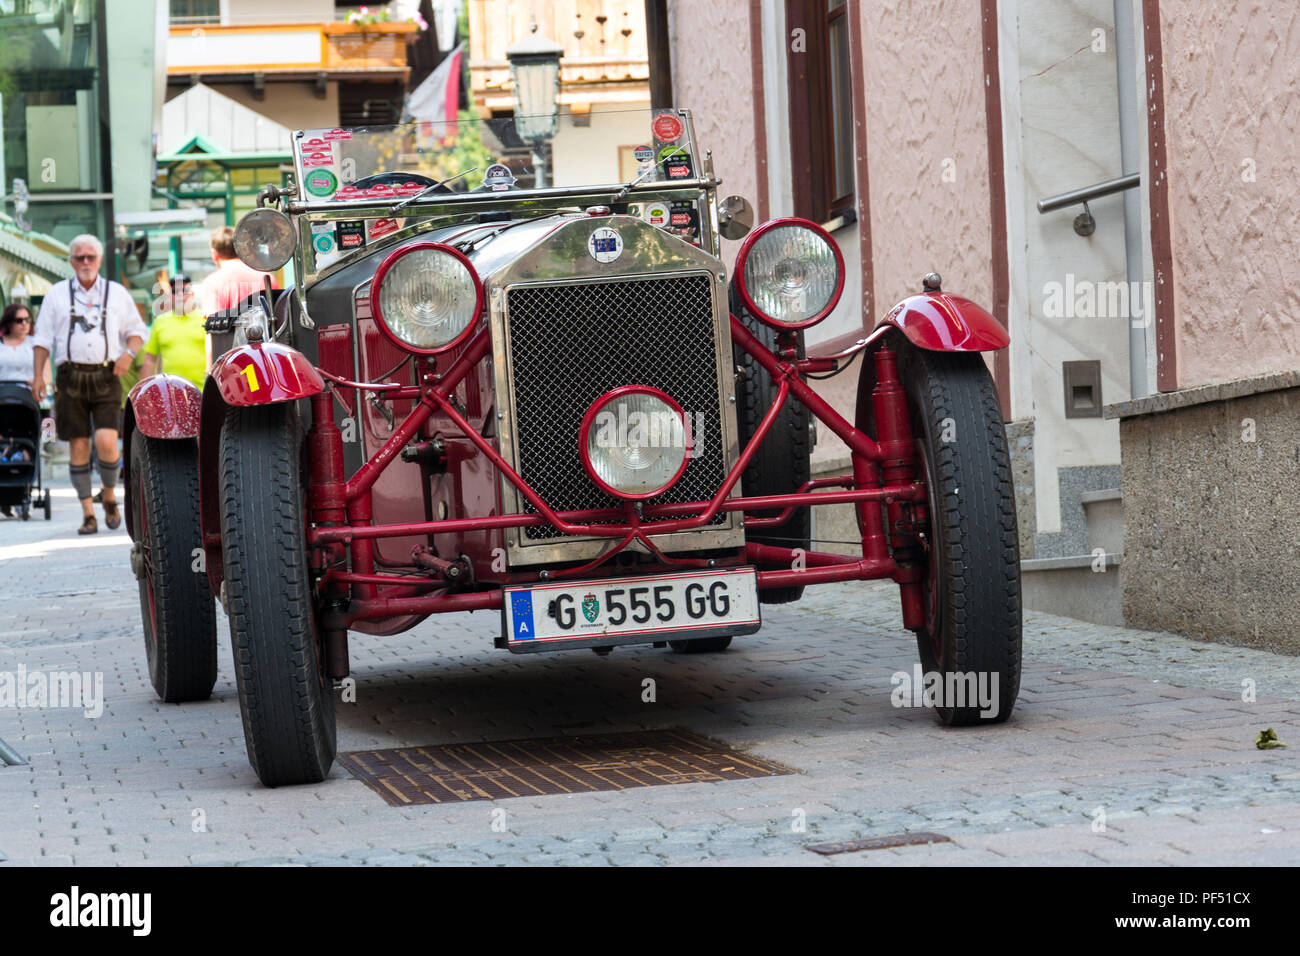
589, 419
744, 254
377, 282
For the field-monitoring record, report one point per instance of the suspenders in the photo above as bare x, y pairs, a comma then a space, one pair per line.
103, 320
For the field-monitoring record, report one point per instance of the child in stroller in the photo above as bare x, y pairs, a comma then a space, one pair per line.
20, 452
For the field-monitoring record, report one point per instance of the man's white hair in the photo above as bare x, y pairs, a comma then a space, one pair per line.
86, 239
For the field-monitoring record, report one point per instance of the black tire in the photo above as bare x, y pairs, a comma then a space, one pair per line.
46, 506
176, 605
25, 510
781, 464
286, 699
972, 584
701, 645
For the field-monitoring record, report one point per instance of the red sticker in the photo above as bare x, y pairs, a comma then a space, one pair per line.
348, 192
667, 128
681, 219
679, 172
382, 227
314, 144
409, 189
310, 160
335, 134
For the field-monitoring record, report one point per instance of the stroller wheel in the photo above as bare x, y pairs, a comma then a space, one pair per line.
46, 505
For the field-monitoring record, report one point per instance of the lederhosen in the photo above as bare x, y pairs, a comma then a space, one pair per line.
87, 396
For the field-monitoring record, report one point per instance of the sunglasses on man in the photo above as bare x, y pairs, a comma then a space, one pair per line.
87, 258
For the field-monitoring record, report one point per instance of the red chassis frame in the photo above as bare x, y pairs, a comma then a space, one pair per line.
884, 471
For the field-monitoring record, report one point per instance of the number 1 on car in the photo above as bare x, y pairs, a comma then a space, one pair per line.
251, 374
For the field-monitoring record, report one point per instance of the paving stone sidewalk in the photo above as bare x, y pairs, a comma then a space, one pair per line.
1126, 747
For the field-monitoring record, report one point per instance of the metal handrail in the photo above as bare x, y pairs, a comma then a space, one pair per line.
1087, 193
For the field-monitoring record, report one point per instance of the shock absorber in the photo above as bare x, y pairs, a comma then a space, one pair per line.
898, 467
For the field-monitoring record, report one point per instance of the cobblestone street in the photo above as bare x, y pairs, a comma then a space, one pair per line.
1126, 747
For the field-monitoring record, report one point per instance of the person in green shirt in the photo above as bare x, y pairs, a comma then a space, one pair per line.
176, 339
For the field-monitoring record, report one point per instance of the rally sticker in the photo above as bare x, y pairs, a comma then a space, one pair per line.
322, 237
656, 213
351, 233
643, 154
378, 228
320, 157
336, 134
676, 162
605, 244
322, 182
667, 127
498, 177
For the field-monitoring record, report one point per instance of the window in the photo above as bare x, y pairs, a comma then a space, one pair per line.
194, 11
821, 108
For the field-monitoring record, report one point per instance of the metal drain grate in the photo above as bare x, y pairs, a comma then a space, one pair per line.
454, 773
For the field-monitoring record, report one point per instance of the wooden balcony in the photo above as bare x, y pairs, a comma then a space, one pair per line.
235, 51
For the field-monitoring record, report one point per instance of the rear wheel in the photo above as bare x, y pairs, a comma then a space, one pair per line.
284, 694
781, 465
176, 605
971, 588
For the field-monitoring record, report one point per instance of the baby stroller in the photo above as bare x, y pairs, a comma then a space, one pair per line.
20, 451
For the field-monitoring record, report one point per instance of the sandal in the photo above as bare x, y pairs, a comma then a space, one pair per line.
89, 525
112, 517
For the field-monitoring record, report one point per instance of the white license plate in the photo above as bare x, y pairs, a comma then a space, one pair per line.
655, 607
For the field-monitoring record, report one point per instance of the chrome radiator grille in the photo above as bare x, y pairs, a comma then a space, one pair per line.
570, 344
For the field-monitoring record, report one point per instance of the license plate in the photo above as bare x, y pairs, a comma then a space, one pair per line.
630, 610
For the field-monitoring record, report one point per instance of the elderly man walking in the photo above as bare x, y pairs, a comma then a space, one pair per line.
93, 329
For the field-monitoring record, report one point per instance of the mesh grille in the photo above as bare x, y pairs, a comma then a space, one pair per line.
570, 344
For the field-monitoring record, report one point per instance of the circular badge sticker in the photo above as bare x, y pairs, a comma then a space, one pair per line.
605, 244
498, 176
667, 127
656, 213
323, 242
643, 154
322, 182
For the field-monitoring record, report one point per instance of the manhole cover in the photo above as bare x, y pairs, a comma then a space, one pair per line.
454, 773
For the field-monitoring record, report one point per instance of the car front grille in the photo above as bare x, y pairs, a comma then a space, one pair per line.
572, 343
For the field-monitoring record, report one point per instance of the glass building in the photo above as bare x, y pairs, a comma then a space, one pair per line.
55, 116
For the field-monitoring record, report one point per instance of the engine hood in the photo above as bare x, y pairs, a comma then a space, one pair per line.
561, 247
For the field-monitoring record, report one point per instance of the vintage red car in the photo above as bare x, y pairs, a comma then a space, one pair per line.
542, 392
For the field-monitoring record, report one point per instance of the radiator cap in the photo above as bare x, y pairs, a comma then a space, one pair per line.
597, 210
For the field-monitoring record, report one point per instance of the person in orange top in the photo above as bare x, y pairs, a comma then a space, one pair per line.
232, 281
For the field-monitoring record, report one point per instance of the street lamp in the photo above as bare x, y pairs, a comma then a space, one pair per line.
535, 73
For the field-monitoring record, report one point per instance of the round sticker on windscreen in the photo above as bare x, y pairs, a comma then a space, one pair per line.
667, 128
643, 154
321, 182
498, 176
605, 244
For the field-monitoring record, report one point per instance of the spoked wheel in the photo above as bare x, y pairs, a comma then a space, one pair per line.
971, 588
176, 605
702, 645
285, 696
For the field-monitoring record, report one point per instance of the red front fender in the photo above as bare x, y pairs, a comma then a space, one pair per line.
943, 322
264, 373
165, 406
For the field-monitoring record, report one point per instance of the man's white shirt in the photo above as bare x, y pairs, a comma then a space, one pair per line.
88, 335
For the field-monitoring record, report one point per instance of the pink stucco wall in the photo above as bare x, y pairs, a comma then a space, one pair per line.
925, 106
1232, 91
712, 77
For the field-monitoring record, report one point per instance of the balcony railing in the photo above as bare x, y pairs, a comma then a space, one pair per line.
267, 48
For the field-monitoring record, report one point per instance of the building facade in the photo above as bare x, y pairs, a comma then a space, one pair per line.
924, 135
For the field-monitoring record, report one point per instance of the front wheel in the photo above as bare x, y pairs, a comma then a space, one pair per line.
284, 694
176, 605
971, 590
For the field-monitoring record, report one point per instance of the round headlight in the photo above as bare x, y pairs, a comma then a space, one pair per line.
634, 442
264, 239
426, 296
791, 273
